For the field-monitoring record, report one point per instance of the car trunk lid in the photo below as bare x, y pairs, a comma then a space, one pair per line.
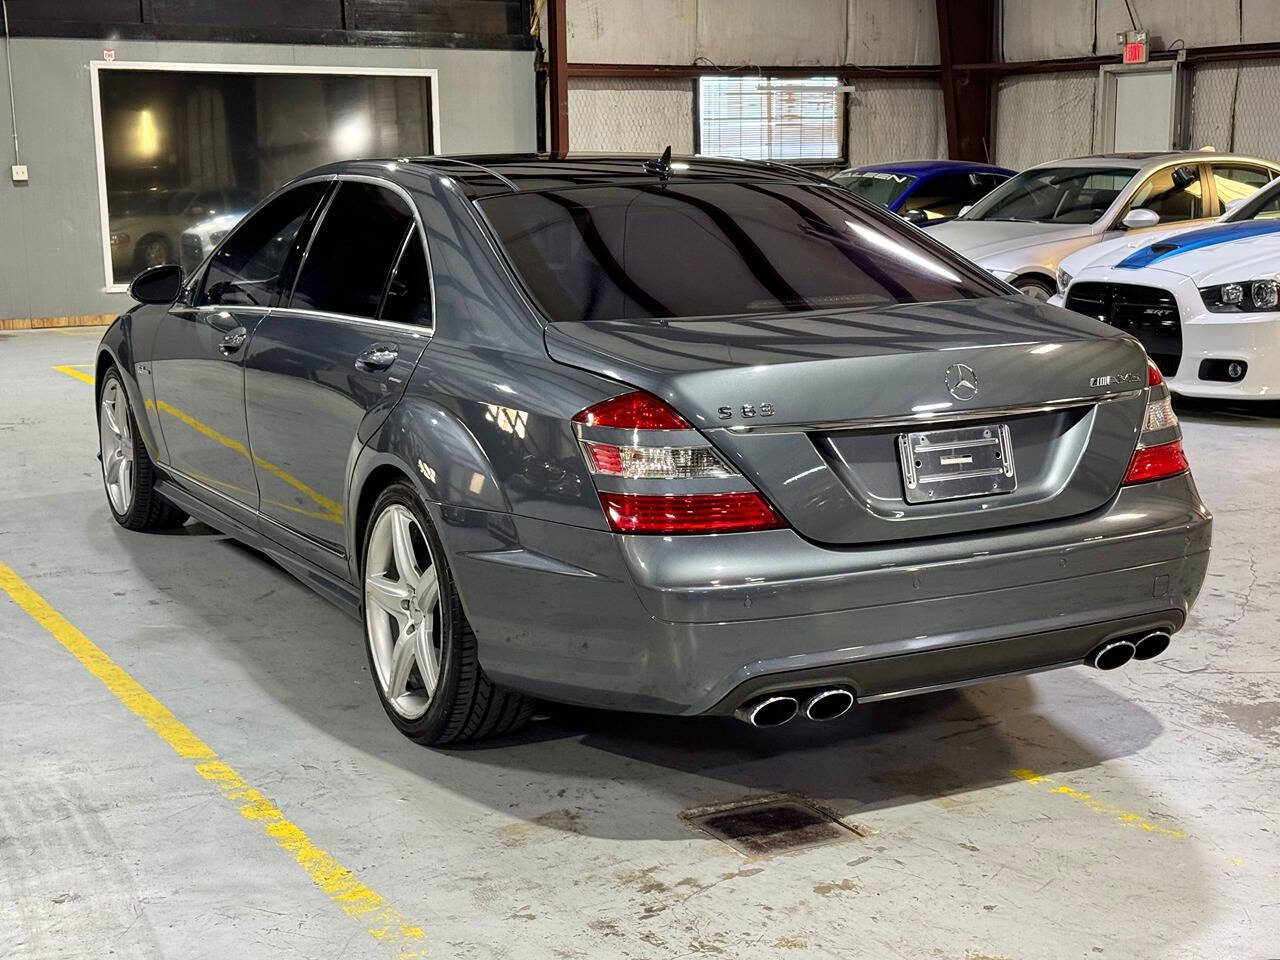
815, 408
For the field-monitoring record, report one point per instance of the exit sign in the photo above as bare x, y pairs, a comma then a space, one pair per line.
1135, 52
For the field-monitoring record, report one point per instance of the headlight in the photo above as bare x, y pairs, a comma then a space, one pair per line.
1064, 281
1245, 296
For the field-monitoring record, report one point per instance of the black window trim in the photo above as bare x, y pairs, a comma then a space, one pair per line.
423, 331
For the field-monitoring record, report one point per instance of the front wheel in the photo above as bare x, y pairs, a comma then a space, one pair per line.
422, 651
1033, 288
128, 475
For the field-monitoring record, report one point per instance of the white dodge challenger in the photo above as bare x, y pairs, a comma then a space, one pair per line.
1204, 301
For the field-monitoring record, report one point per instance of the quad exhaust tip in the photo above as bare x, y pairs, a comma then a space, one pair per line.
1111, 655
779, 708
1151, 645
828, 704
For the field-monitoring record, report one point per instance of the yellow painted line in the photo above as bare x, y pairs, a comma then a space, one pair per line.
330, 509
383, 921
1128, 818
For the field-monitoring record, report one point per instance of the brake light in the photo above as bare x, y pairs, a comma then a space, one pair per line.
1156, 463
1157, 456
632, 411
662, 476
689, 513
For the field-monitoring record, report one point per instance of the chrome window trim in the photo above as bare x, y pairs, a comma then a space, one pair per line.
939, 416
422, 332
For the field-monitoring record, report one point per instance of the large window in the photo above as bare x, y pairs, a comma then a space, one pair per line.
759, 118
185, 150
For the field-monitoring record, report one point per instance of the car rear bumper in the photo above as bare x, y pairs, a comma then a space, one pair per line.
691, 625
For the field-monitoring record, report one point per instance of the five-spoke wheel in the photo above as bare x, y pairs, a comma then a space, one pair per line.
115, 436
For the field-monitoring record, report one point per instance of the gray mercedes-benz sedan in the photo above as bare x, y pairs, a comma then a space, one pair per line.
681, 436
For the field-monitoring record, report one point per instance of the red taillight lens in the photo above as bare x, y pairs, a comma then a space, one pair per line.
632, 411
1154, 376
1156, 463
689, 513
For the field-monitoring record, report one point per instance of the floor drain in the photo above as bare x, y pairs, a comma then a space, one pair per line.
762, 826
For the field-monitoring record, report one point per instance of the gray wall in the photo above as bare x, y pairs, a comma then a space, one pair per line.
50, 233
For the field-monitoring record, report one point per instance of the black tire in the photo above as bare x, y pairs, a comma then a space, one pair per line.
151, 251
147, 509
465, 704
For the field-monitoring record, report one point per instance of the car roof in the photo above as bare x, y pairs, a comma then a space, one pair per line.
925, 168
1145, 160
486, 175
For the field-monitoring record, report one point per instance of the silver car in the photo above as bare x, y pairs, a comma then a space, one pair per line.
681, 436
1022, 229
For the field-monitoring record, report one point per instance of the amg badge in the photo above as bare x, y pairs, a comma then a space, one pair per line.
1116, 380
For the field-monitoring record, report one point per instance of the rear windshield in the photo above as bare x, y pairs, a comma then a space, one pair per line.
881, 188
712, 249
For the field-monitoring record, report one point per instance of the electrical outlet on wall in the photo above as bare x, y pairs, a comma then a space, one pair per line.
19, 171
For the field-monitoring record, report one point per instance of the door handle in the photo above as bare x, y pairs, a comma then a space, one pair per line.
233, 340
378, 356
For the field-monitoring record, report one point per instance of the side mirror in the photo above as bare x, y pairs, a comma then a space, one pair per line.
965, 209
160, 284
1138, 218
915, 216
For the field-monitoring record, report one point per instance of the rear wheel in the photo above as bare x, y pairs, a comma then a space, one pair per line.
128, 475
1033, 288
422, 651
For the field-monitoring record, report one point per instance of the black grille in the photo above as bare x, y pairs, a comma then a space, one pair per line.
1148, 313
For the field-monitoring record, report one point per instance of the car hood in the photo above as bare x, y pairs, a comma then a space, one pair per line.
1220, 253
982, 239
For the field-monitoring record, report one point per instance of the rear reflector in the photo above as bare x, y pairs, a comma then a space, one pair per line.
689, 513
632, 411
1156, 463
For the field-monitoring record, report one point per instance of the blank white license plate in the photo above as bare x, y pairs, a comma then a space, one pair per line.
950, 464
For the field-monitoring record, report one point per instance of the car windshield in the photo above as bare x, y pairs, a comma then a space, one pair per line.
874, 185
1054, 195
718, 248
1263, 205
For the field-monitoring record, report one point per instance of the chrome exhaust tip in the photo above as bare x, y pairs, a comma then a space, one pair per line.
828, 704
1151, 645
1111, 655
771, 711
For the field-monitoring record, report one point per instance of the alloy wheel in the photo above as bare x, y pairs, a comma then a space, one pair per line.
115, 437
402, 611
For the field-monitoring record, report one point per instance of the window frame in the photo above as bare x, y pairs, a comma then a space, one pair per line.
842, 130
431, 74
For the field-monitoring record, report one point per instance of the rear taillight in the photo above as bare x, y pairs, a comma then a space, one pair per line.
656, 474
1159, 453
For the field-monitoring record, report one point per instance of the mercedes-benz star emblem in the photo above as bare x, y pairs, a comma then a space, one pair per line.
961, 381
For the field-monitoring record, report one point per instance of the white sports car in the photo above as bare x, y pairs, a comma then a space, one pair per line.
1204, 301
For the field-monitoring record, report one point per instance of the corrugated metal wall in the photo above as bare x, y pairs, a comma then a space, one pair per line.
1044, 116
896, 120
632, 116
1233, 107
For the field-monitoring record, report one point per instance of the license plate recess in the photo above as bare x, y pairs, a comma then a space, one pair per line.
950, 464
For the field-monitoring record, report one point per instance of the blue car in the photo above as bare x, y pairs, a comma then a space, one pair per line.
923, 191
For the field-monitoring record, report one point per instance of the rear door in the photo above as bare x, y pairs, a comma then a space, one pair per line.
199, 349
324, 370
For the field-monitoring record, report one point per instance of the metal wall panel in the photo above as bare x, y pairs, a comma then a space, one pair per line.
643, 116
1259, 21
623, 31
1042, 117
1047, 29
1256, 131
797, 32
896, 120
893, 32
1213, 105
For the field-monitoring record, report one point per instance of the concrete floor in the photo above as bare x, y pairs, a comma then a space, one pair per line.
1155, 834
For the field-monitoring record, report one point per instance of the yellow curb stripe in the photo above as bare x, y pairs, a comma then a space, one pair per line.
1128, 818
384, 922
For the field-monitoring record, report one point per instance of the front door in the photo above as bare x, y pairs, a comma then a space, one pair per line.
323, 372
200, 346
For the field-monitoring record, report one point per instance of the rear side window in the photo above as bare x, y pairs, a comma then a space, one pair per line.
714, 249
346, 267
1238, 181
246, 269
408, 298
